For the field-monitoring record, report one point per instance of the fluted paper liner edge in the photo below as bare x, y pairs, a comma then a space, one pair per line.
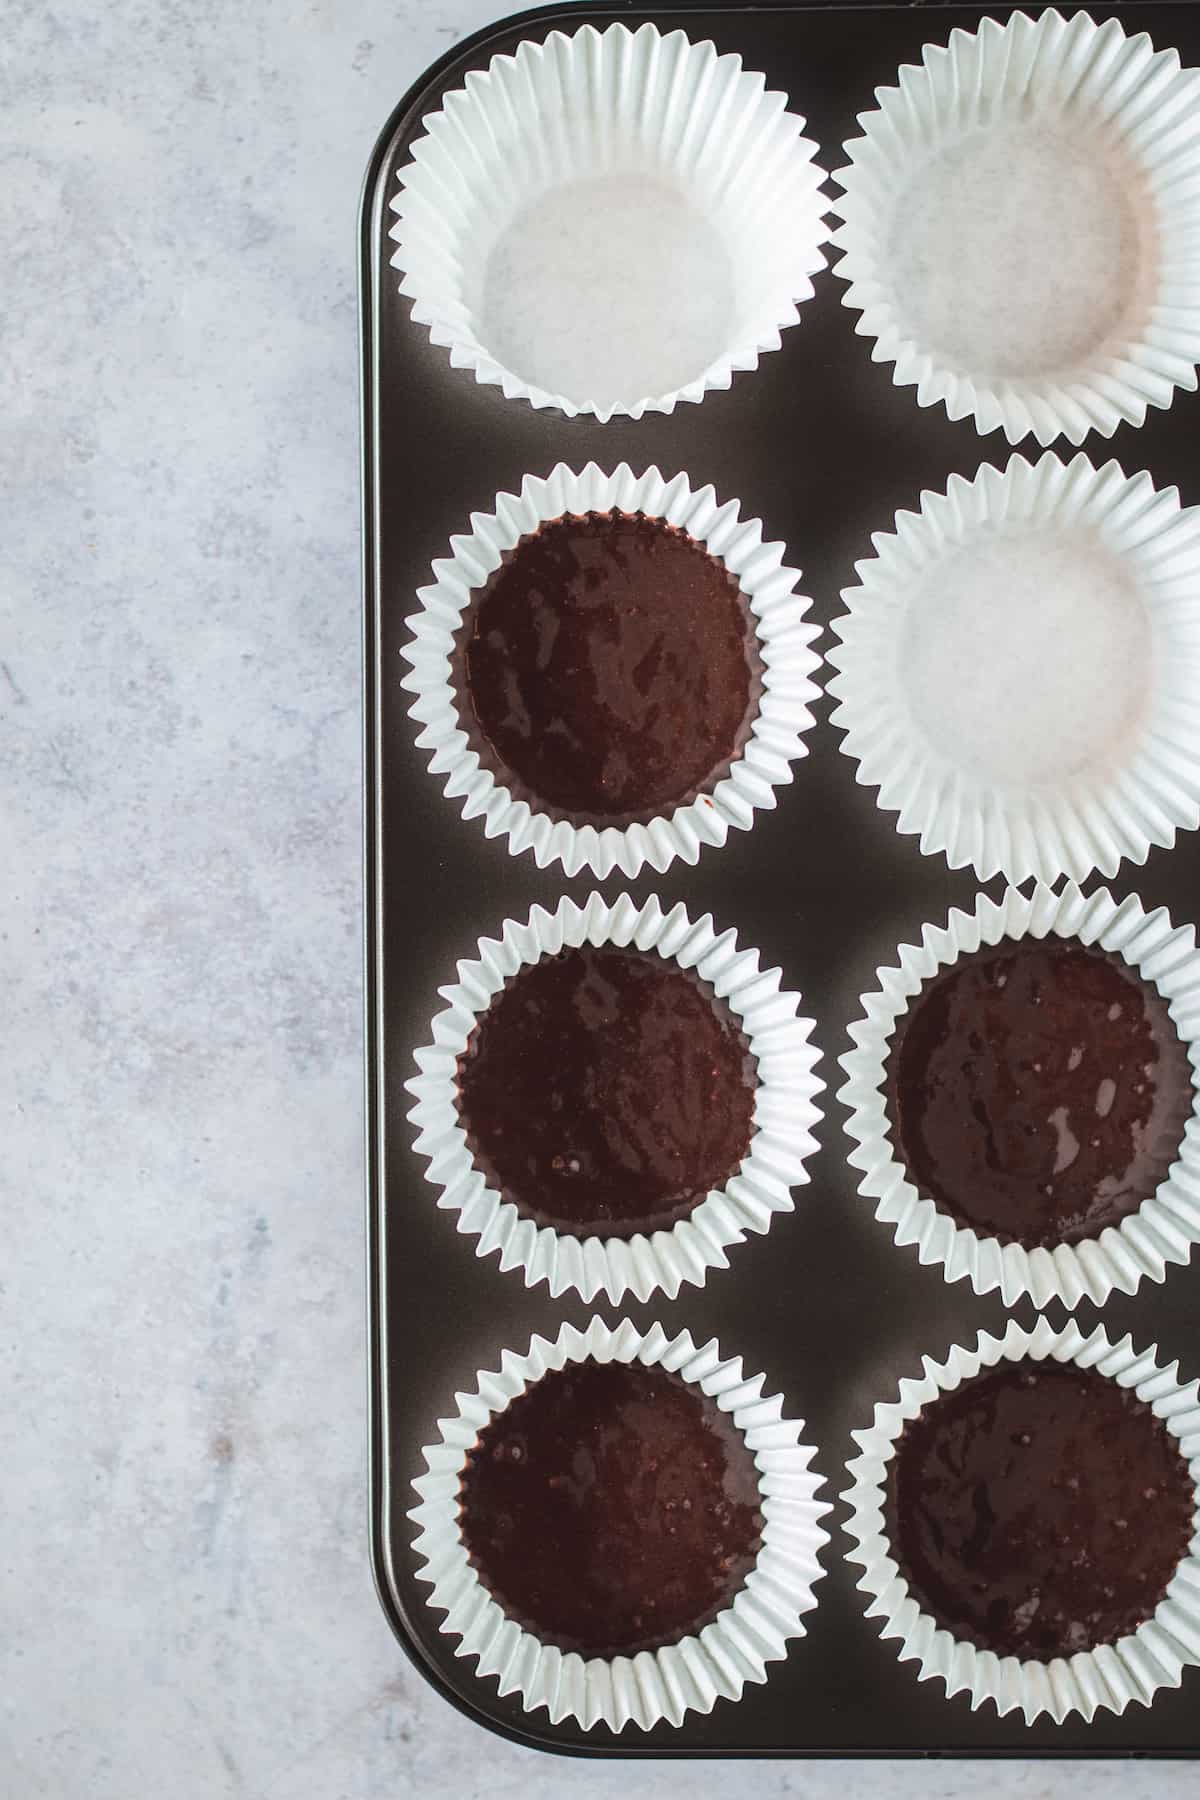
785, 1116
1033, 72
1111, 1677
784, 632
693, 1674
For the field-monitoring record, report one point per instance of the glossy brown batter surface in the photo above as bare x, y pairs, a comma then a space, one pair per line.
611, 1509
1038, 1091
1038, 1510
606, 1091
608, 671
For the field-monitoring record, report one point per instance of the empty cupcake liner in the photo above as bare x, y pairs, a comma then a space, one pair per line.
1037, 161
1110, 1677
664, 211
785, 1109
1166, 1225
1019, 670
693, 1674
785, 639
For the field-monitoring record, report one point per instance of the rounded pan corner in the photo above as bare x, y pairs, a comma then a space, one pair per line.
466, 1704
431, 77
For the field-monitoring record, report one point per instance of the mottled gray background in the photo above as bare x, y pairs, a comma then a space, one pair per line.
185, 1604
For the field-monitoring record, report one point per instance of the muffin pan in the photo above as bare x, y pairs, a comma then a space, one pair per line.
819, 443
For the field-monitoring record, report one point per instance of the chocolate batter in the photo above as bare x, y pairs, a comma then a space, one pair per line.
1038, 1091
606, 1091
611, 1508
608, 671
1038, 1510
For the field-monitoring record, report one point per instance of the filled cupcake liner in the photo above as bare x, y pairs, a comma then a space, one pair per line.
785, 638
595, 104
1110, 1677
1093, 85
653, 1686
1111, 809
1164, 1228
785, 1109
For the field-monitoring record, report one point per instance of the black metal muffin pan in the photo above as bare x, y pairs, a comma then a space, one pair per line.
819, 444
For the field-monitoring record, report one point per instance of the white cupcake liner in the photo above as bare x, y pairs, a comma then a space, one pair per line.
613, 104
1167, 1224
1110, 1677
688, 1676
1122, 798
785, 640
1084, 85
785, 1109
